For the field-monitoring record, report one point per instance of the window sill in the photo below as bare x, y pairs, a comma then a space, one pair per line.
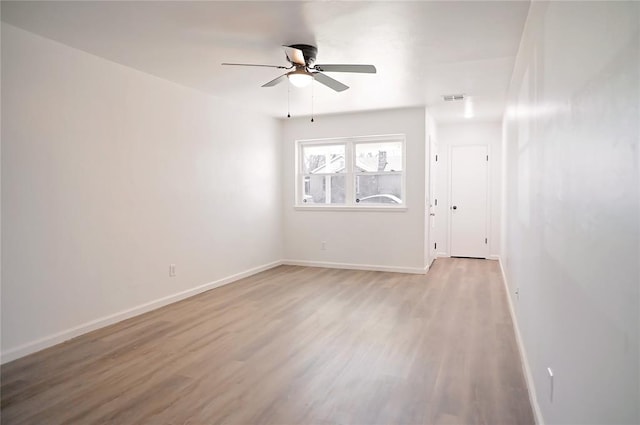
373, 208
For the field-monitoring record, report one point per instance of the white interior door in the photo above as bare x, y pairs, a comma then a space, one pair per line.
468, 201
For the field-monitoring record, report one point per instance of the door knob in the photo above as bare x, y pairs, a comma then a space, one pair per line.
454, 207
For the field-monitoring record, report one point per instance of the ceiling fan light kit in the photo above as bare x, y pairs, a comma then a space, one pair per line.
300, 78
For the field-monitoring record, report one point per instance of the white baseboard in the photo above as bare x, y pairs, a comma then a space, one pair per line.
331, 265
57, 338
446, 255
533, 398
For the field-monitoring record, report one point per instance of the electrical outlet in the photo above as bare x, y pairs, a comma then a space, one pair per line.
172, 270
323, 245
550, 372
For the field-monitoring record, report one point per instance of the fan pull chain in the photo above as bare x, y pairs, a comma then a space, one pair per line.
288, 98
312, 81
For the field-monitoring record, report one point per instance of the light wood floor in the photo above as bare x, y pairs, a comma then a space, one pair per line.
293, 345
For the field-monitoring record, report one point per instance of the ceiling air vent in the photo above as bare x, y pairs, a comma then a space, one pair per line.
452, 97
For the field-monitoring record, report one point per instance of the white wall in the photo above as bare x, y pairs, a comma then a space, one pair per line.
468, 132
572, 208
386, 240
108, 176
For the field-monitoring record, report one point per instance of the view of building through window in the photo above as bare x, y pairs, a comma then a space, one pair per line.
378, 169
352, 172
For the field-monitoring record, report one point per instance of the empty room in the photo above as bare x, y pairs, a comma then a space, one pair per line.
320, 212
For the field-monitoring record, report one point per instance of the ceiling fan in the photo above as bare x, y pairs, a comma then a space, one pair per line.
302, 58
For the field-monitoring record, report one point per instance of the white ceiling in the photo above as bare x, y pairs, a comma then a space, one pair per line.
422, 49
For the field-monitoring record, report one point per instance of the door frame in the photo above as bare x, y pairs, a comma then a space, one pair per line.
432, 253
487, 224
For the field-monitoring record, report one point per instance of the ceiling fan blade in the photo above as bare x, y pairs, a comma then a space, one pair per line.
294, 55
276, 81
252, 64
329, 82
363, 69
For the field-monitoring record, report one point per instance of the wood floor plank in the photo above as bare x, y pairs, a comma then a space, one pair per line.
292, 345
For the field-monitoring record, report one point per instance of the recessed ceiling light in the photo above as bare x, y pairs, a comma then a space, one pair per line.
468, 108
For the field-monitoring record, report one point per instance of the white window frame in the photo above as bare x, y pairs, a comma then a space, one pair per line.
350, 173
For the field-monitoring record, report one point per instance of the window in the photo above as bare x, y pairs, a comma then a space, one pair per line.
324, 174
356, 172
378, 172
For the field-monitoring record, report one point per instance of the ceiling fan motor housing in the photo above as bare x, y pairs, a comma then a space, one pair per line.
309, 52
